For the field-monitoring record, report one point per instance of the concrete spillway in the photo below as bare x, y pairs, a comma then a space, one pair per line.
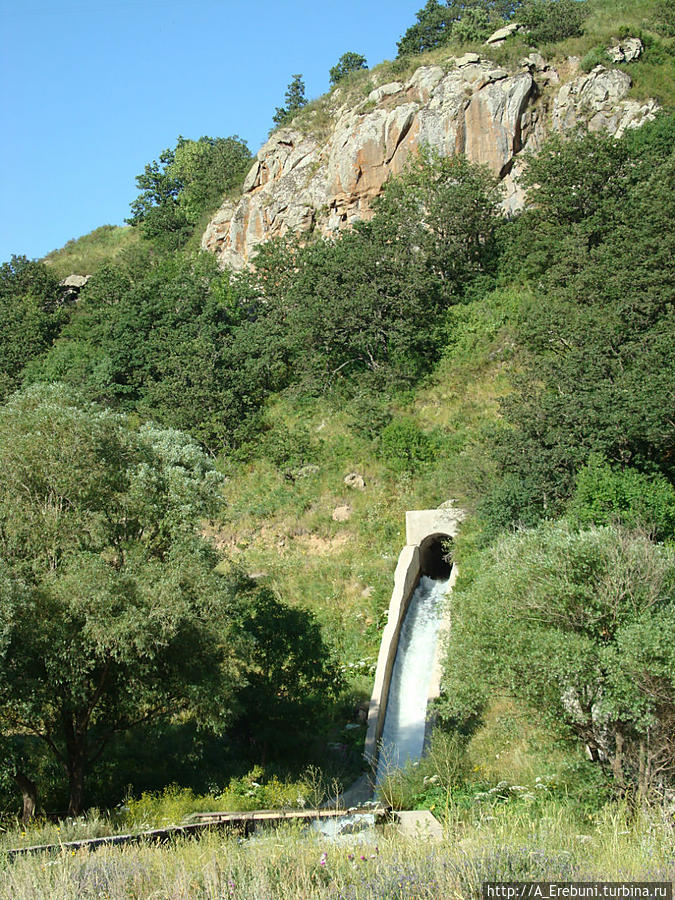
405, 717
408, 667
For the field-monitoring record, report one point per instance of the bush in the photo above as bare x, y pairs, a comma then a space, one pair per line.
552, 20
404, 446
348, 63
595, 57
605, 493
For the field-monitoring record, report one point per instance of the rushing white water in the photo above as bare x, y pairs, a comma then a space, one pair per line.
405, 719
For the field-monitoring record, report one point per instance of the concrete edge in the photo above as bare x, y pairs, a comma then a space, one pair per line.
420, 524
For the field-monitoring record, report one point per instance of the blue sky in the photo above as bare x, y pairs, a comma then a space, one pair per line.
92, 91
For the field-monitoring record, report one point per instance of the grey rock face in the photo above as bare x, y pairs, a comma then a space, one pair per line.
597, 101
301, 182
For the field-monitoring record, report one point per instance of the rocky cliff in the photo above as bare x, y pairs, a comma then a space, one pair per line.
301, 182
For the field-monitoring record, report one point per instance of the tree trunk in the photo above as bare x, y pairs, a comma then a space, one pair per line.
29, 793
76, 770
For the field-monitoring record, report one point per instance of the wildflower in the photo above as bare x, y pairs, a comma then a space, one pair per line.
350, 856
323, 859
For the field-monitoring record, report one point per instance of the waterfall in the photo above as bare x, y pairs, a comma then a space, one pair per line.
405, 719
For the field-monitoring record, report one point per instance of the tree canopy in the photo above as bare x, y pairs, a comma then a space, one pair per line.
186, 182
348, 63
581, 626
295, 100
112, 611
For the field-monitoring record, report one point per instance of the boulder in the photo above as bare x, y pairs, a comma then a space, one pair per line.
75, 282
356, 481
497, 37
467, 60
342, 513
626, 51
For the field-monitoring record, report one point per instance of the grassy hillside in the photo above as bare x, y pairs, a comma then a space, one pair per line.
82, 256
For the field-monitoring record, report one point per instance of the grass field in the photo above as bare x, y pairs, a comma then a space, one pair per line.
291, 863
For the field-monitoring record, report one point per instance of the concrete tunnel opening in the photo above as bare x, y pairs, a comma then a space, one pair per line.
436, 556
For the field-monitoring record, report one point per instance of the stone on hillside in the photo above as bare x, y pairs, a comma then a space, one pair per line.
467, 60
385, 90
75, 281
626, 51
342, 513
501, 34
534, 61
354, 480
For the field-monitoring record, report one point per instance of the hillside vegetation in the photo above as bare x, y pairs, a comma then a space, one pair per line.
181, 554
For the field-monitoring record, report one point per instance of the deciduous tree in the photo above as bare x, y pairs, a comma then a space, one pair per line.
112, 612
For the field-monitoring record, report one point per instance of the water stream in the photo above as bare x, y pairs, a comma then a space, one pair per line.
405, 719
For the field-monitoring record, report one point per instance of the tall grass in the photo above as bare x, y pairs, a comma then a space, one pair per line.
295, 863
82, 256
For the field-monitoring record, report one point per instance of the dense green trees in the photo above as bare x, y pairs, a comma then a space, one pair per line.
580, 625
112, 611
552, 20
33, 309
164, 344
186, 182
291, 676
462, 20
599, 338
371, 304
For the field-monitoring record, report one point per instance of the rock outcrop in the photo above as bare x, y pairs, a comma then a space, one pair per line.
301, 182
597, 101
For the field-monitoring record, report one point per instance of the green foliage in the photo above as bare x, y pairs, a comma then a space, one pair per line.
444, 210
604, 494
599, 341
166, 345
404, 446
348, 63
335, 310
112, 611
454, 20
295, 100
291, 675
32, 312
598, 56
548, 21
186, 182
579, 625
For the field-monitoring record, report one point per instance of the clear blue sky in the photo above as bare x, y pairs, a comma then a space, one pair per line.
92, 90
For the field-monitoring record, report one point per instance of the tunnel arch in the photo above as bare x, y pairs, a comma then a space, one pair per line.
435, 561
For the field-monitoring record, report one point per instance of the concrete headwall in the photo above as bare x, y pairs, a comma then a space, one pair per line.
422, 527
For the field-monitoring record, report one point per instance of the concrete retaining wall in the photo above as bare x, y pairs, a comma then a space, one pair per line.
421, 526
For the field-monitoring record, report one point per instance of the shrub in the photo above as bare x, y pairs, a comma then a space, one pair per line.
595, 57
348, 63
404, 446
552, 20
604, 493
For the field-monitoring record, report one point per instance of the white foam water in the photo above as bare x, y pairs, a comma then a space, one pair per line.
405, 718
